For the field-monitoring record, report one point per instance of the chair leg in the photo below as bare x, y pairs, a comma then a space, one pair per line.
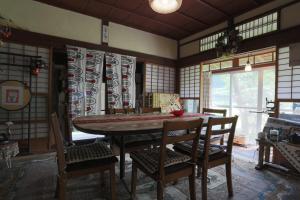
160, 190
133, 180
57, 187
204, 183
192, 186
62, 188
112, 182
222, 140
229, 179
198, 171
102, 180
122, 158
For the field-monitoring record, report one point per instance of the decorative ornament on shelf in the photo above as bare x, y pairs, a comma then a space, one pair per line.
5, 29
228, 43
165, 6
36, 66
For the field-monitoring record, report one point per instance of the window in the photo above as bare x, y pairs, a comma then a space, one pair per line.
217, 65
258, 59
259, 26
243, 94
190, 82
209, 42
160, 79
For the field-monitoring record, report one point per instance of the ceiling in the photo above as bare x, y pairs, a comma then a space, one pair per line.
192, 17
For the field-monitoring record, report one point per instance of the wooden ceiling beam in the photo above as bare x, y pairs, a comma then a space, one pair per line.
192, 18
214, 8
186, 32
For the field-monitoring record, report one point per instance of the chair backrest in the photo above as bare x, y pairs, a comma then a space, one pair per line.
151, 110
59, 145
192, 128
223, 123
214, 111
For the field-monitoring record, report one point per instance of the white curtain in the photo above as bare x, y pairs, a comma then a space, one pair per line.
206, 89
120, 75
84, 81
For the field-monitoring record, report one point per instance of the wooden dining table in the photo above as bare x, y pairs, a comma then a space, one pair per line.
129, 124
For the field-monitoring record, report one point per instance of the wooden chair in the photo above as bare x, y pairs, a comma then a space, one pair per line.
75, 161
210, 155
127, 144
165, 165
219, 112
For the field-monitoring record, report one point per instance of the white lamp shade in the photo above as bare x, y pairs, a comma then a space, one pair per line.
165, 6
248, 67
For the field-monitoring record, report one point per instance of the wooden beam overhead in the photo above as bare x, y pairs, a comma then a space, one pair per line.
113, 6
193, 18
214, 8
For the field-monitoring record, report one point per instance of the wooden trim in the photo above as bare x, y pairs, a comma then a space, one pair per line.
276, 103
43, 40
238, 68
49, 99
245, 21
279, 39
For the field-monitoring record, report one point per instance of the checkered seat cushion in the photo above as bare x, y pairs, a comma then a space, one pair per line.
149, 159
88, 152
186, 147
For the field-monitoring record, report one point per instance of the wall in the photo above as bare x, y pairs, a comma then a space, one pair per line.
290, 16
124, 37
42, 18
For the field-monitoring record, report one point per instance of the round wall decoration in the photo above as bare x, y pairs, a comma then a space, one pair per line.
14, 95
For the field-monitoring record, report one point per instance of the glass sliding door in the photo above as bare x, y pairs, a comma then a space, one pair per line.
242, 92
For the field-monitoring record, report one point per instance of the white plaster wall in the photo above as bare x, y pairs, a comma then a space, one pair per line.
42, 18
290, 16
124, 37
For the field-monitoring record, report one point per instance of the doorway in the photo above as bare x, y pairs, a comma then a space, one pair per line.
244, 94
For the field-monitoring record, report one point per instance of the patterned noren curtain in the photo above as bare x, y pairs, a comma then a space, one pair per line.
120, 75
85, 69
206, 89
128, 64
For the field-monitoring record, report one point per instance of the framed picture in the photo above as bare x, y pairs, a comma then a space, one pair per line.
14, 95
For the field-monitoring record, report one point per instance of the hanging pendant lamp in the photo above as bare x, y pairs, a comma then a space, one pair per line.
165, 6
248, 67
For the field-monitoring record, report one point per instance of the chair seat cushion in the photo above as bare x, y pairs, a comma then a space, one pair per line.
186, 147
87, 152
140, 139
149, 159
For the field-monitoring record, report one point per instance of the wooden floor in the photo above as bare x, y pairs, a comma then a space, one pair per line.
33, 178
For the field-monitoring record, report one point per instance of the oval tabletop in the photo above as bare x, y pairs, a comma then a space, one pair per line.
128, 124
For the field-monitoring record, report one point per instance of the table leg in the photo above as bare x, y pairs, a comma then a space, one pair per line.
267, 153
8, 162
261, 150
122, 157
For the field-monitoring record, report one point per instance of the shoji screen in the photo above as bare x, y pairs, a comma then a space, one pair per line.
159, 79
288, 76
190, 82
11, 69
